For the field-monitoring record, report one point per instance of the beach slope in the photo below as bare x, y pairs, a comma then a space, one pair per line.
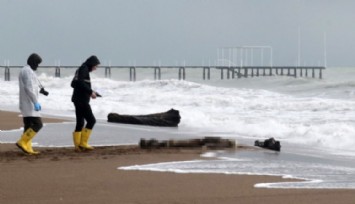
59, 175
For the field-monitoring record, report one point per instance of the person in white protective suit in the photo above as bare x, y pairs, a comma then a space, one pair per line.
28, 103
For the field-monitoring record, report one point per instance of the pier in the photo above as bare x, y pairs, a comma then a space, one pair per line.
226, 72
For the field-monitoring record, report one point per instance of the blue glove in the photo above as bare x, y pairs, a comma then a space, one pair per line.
37, 106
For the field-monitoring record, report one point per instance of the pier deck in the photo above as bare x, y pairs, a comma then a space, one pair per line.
231, 72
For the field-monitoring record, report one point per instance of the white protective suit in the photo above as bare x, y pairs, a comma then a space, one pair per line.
28, 84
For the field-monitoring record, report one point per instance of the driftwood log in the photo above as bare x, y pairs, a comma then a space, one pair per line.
169, 118
209, 142
270, 143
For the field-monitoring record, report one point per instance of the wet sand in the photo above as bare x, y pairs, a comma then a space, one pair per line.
60, 175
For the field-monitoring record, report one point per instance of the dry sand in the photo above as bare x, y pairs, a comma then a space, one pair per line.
59, 175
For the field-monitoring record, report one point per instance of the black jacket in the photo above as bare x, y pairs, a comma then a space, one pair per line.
82, 85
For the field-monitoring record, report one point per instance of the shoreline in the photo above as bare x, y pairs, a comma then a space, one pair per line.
10, 120
60, 175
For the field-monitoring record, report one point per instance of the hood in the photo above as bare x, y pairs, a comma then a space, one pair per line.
34, 60
91, 62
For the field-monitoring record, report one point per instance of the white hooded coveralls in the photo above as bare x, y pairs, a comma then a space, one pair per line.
28, 84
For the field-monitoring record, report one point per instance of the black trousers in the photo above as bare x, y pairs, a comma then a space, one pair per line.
83, 112
32, 122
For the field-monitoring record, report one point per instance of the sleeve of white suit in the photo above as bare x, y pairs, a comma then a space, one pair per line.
28, 81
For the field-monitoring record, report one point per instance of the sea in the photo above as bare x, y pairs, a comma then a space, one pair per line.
314, 120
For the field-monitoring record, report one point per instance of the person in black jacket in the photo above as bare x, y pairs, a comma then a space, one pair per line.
81, 98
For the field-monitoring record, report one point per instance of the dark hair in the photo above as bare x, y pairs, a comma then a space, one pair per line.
34, 60
92, 61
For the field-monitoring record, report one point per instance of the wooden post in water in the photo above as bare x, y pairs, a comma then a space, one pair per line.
182, 73
320, 73
57, 71
233, 72
209, 73
7, 73
295, 72
204, 73
157, 71
239, 72
108, 72
313, 74
132, 74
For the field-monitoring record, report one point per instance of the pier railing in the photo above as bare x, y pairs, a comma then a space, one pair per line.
231, 72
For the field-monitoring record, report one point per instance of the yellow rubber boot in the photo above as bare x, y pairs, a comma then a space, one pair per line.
77, 140
25, 142
29, 146
85, 135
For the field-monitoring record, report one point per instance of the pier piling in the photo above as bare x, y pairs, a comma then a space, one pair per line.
182, 74
108, 72
57, 72
7, 73
157, 71
208, 73
132, 74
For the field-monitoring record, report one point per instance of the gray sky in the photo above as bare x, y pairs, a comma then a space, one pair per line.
173, 31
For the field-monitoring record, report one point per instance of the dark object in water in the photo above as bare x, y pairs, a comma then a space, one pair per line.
270, 143
170, 118
209, 142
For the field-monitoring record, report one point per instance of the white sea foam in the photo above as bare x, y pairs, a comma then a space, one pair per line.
251, 113
312, 172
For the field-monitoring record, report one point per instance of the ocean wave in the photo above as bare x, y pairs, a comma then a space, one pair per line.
253, 109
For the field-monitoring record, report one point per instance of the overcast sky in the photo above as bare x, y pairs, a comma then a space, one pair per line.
173, 31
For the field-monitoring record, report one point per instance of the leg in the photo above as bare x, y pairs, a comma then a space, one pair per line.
31, 126
85, 135
79, 113
89, 117
26, 123
32, 122
36, 125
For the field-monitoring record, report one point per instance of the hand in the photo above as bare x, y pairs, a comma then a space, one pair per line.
37, 106
93, 95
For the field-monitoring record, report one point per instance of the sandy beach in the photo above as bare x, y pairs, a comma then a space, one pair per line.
59, 175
